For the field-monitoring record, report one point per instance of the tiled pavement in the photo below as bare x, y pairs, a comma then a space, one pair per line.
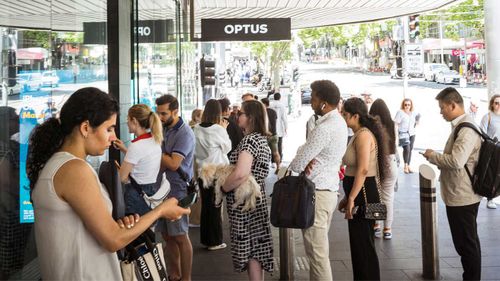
400, 258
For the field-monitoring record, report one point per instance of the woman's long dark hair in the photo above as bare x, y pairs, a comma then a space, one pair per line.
379, 108
358, 106
86, 104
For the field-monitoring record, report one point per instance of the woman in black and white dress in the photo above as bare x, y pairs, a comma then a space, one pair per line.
251, 240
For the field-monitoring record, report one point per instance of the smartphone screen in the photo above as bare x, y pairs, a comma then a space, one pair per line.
187, 201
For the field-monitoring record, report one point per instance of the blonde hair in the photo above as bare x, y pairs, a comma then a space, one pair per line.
147, 119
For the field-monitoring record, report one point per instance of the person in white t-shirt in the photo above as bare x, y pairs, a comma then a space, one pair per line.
141, 165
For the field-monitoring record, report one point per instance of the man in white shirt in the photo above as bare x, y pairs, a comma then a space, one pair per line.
282, 123
320, 157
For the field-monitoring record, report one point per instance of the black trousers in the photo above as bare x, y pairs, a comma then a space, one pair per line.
365, 265
407, 150
463, 226
280, 147
211, 219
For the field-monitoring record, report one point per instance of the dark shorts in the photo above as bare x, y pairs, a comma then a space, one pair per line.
134, 202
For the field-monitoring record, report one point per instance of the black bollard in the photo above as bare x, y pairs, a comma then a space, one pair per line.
286, 254
428, 222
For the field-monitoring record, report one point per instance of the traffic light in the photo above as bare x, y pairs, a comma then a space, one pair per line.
11, 69
295, 75
207, 72
413, 26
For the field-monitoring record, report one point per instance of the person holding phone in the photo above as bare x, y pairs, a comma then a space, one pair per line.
141, 165
251, 240
406, 120
212, 146
73, 221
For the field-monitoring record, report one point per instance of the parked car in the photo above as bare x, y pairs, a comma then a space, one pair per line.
14, 90
30, 81
432, 69
50, 79
448, 76
305, 95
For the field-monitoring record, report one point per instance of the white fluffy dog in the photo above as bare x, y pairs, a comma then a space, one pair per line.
216, 174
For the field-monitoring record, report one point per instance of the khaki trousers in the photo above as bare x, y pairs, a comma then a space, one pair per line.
316, 237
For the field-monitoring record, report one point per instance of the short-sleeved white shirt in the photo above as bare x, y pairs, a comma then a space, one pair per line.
406, 122
145, 155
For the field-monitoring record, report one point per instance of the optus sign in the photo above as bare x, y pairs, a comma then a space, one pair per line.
249, 29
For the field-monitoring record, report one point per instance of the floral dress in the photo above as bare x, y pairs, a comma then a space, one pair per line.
250, 231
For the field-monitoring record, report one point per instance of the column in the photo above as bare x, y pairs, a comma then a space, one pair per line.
120, 63
491, 22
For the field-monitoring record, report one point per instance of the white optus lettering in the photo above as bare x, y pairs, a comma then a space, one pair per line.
246, 28
144, 30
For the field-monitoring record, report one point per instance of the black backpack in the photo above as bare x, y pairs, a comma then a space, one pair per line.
486, 178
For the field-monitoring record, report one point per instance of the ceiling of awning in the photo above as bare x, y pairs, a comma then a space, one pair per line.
69, 15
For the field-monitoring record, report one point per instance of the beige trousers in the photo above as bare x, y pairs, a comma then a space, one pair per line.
316, 237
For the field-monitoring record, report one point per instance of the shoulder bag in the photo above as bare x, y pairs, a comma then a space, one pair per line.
375, 211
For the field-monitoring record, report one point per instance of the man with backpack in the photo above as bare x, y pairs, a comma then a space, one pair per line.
461, 152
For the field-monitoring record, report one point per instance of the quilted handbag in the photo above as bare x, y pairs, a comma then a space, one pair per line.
374, 211
293, 202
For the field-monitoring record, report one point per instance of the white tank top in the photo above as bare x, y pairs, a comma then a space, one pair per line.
66, 249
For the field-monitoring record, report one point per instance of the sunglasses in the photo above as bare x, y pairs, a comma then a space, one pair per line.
497, 102
241, 113
407, 104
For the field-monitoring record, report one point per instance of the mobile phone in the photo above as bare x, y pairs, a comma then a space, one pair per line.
355, 210
421, 152
187, 201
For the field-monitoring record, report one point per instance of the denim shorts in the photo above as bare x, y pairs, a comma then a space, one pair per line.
134, 202
173, 228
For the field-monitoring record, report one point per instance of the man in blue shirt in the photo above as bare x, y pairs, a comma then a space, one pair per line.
178, 149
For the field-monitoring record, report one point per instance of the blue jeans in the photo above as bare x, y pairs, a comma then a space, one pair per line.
134, 202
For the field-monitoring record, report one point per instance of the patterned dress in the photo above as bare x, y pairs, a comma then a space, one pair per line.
250, 231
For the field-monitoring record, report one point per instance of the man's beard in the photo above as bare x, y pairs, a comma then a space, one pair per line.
169, 122
317, 111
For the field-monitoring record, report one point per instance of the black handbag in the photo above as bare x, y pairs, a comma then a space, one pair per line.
374, 211
403, 138
293, 202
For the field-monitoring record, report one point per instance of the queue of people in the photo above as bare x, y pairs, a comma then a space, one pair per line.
362, 167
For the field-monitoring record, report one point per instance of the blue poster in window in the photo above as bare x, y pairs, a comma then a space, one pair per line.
27, 121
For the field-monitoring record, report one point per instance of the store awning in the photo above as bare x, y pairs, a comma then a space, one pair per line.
31, 54
70, 15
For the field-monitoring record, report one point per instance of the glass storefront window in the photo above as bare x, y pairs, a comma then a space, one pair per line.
44, 58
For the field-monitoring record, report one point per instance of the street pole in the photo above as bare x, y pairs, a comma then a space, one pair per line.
406, 33
441, 39
491, 23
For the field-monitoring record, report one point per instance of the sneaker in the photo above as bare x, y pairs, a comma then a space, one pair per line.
378, 232
218, 247
387, 235
491, 204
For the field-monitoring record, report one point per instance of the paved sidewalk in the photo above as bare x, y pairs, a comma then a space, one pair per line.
400, 258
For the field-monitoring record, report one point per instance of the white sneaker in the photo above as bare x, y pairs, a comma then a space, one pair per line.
491, 204
218, 247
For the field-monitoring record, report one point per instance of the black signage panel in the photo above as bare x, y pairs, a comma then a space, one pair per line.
249, 29
149, 31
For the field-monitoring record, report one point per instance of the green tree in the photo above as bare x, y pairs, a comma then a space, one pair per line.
464, 18
272, 56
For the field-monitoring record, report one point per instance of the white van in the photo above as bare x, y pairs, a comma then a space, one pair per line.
432, 69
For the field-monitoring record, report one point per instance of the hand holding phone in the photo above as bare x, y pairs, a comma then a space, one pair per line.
188, 201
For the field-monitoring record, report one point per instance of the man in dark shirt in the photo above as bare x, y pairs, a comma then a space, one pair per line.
272, 117
233, 130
